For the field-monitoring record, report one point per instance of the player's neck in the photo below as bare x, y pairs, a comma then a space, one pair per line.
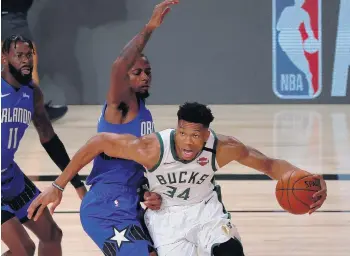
10, 80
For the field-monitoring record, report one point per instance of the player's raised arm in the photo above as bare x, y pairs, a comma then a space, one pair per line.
144, 150
50, 141
119, 74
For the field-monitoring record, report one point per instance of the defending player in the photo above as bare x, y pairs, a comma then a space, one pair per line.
180, 166
22, 103
112, 206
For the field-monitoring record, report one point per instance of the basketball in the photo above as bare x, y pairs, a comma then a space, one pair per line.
294, 191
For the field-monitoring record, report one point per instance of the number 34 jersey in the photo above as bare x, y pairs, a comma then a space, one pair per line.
17, 107
183, 182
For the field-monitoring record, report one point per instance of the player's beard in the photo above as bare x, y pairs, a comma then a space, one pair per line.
17, 74
142, 95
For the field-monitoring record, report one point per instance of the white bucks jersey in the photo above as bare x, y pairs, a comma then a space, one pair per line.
180, 182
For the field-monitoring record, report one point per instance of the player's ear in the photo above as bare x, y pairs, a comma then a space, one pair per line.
206, 134
3, 59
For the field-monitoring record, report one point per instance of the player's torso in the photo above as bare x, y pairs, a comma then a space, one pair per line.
17, 108
115, 170
182, 183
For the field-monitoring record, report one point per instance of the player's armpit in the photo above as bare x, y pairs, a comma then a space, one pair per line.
40, 118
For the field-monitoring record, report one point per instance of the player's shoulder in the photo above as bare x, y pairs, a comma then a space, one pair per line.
225, 141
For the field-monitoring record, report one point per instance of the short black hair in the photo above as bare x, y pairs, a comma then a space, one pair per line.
195, 112
6, 46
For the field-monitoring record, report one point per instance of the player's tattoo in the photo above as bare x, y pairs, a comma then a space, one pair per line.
135, 47
41, 120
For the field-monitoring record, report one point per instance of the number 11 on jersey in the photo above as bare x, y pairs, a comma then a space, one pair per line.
12, 142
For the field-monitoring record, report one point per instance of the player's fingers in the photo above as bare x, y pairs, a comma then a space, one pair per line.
39, 212
166, 4
53, 207
165, 12
154, 201
321, 193
32, 207
152, 206
318, 203
146, 195
153, 196
314, 209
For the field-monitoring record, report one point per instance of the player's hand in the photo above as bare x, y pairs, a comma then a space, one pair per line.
159, 13
152, 200
319, 196
81, 191
48, 196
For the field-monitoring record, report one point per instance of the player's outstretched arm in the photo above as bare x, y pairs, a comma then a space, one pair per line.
144, 150
50, 141
119, 74
230, 149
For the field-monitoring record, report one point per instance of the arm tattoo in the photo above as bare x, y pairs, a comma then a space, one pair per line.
135, 47
41, 120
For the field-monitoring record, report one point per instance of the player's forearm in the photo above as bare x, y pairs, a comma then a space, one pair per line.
58, 154
83, 157
134, 48
279, 167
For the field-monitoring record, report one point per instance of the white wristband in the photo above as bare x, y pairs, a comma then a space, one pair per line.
56, 186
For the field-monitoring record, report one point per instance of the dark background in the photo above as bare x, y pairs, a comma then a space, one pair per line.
216, 52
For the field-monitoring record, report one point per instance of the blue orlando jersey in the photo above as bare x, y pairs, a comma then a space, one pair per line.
17, 108
120, 171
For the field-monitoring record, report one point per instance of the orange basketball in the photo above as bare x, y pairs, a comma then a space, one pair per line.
294, 191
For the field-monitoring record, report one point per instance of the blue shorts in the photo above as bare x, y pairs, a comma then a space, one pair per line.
17, 193
113, 217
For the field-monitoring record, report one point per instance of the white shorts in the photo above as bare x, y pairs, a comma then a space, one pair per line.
190, 229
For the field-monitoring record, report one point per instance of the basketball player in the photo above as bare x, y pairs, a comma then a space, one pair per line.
112, 206
20, 104
14, 21
180, 166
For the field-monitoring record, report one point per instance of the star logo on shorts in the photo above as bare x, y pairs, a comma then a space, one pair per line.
119, 237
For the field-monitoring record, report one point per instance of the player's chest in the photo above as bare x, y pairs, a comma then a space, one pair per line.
174, 172
17, 109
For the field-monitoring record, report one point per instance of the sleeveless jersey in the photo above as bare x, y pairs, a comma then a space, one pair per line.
17, 108
179, 182
114, 170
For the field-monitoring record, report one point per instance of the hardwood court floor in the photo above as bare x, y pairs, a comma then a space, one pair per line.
316, 138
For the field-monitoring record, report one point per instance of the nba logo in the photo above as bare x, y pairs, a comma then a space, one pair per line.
297, 60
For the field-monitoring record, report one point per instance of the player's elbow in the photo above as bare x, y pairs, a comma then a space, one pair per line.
101, 142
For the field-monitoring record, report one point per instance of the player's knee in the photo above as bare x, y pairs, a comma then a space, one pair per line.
232, 247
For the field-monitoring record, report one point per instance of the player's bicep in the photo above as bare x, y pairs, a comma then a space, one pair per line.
229, 149
256, 160
118, 84
40, 118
